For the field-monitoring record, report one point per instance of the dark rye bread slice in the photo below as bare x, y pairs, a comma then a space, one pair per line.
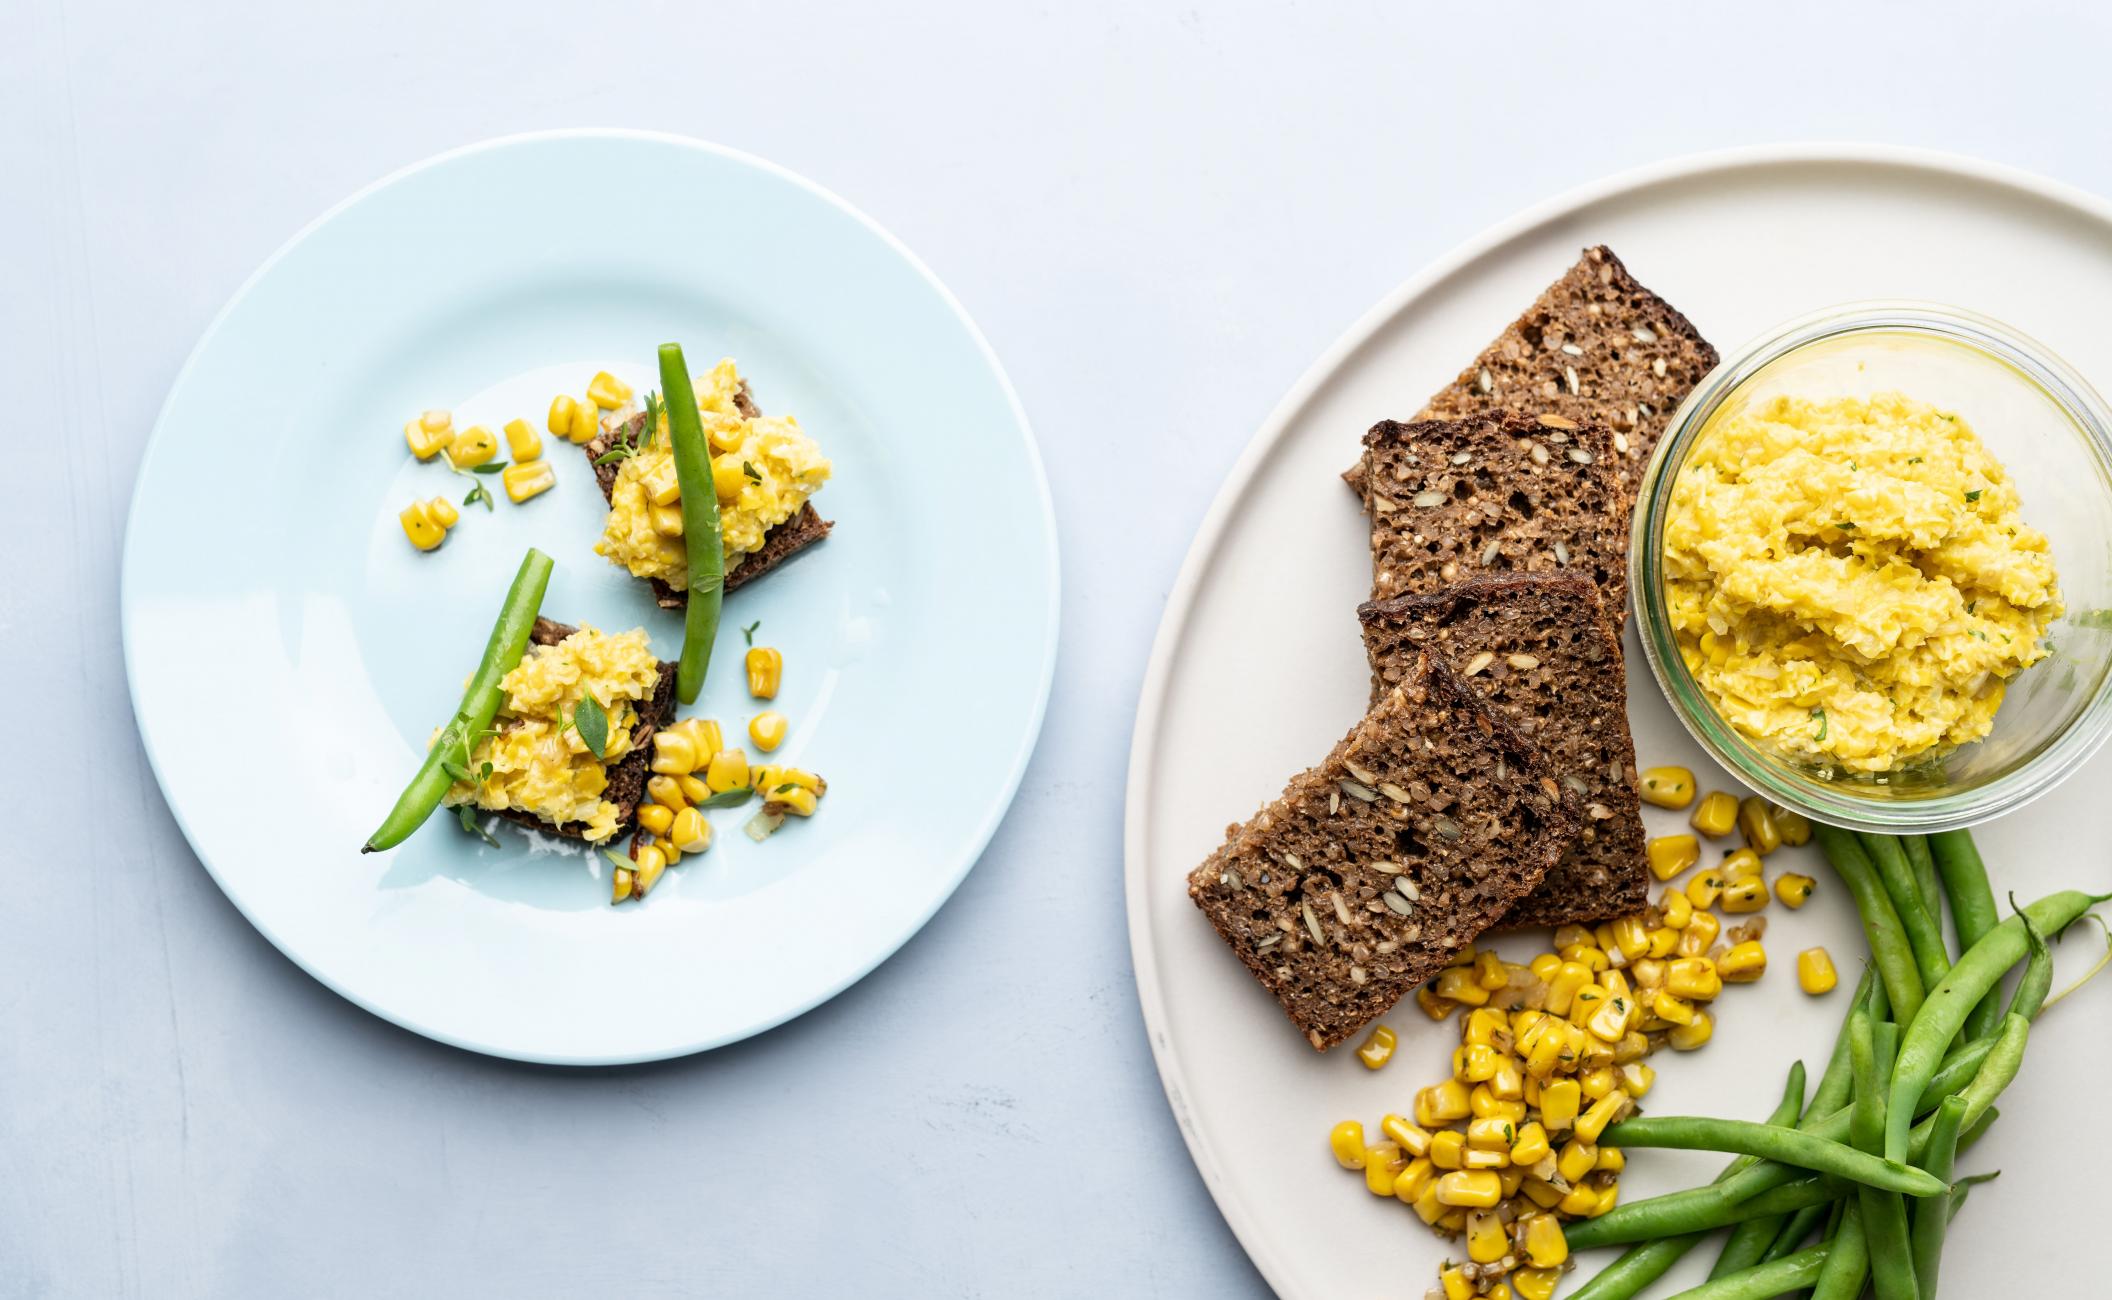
1497, 493
780, 544
627, 778
1422, 827
1539, 650
1595, 347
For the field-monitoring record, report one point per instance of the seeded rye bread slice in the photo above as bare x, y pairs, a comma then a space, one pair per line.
1595, 347
1539, 651
1496, 493
780, 544
627, 778
1421, 828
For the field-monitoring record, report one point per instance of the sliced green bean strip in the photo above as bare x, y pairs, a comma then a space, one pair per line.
1923, 865
480, 702
1796, 1229
703, 544
1786, 1274
2037, 980
1884, 1213
1933, 1215
1849, 1265
1973, 912
1788, 1146
1924, 935
1931, 1030
1881, 925
1706, 1215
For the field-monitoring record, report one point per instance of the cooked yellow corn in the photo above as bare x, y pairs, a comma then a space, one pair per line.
798, 801
667, 792
1794, 829
1587, 955
1489, 971
1793, 889
1745, 894
651, 862
1455, 1284
1491, 1134
1662, 941
1428, 1208
1685, 1038
1441, 1103
1413, 1181
607, 391
1545, 1246
1694, 978
1558, 1105
1532, 1145
1675, 908
1541, 1192
1486, 1239
1534, 1283
428, 437
1743, 964
1476, 1189
674, 855
1433, 1006
694, 789
662, 487
1611, 1160
1631, 936
1597, 1081
1458, 983
574, 419
1346, 1140
656, 818
1609, 1196
523, 443
1508, 1081
690, 832
1700, 934
1671, 1008
1739, 862
728, 771
1448, 1148
1477, 1158
472, 447
766, 665
666, 520
767, 778
1636, 1078
1568, 936
1377, 1048
1716, 814
619, 884
1410, 1137
1704, 889
524, 481
1756, 821
1668, 787
1482, 1026
1815, 973
1579, 1202
674, 753
1545, 965
767, 730
1577, 1158
1382, 1162
1671, 854
424, 531
727, 477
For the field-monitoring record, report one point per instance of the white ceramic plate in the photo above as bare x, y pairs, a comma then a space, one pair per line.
289, 653
1739, 242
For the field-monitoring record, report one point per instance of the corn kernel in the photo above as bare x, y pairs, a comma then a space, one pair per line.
798, 800
1448, 1148
651, 862
1685, 1038
1534, 1283
442, 512
1508, 1081
667, 792
728, 771
766, 666
1409, 1137
656, 818
472, 447
767, 730
1491, 1134
1610, 1022
562, 410
727, 477
1668, 787
689, 831
674, 855
1597, 1081
1545, 965
523, 443
1476, 1158
607, 391
1483, 1103
1454, 1283
1705, 888
666, 520
1694, 978
674, 754
1410, 1182
1671, 854
1532, 1145
1570, 935
1545, 1247
1588, 955
419, 526
1756, 821
1609, 1196
620, 884
1482, 1026
1715, 814
1346, 1140
1612, 1160
1604, 1111
1470, 1189
1676, 909
1433, 1006
1636, 1078
1441, 1103
1428, 1208
1512, 1178
1650, 971
1458, 983
1377, 1048
1631, 936
524, 481
1663, 940
1745, 894
1794, 829
1541, 1192
1577, 1158
426, 441
1579, 1202
1793, 889
1672, 1008
1586, 1003
1815, 973
1477, 1063
1486, 1240
1382, 1162
662, 486
1702, 929
1743, 964
1489, 971
694, 789
1562, 989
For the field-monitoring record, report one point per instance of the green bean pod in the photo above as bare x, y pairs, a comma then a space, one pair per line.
1884, 1213
1923, 864
1932, 1216
480, 703
1932, 1028
1973, 911
1795, 1230
1924, 935
1848, 1266
1787, 1146
702, 543
1789, 1273
1881, 924
1775, 1203
2037, 980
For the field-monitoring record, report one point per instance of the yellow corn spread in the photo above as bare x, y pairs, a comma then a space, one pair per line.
1849, 581
765, 469
539, 764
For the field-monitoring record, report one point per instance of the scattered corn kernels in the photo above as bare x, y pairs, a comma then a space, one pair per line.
1745, 894
524, 481
1476, 1189
1715, 815
767, 730
1668, 787
656, 818
607, 391
766, 666
1744, 963
1793, 889
1486, 1240
1545, 1246
1815, 973
1756, 821
422, 526
1676, 909
728, 771
1346, 1140
1671, 854
1410, 1137
429, 434
1793, 827
1686, 1038
651, 862
689, 832
1704, 889
1377, 1048
472, 447
523, 443
674, 753
573, 418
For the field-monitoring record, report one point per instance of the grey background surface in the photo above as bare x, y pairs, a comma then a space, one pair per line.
1159, 214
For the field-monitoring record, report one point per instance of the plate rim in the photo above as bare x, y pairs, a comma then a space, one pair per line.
1261, 1249
1051, 558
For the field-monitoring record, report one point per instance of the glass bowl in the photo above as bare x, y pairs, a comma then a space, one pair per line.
2053, 434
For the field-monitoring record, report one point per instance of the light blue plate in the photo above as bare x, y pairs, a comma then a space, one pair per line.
289, 653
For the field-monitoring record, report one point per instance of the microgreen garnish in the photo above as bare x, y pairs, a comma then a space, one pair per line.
467, 816
593, 725
617, 860
655, 410
1914, 460
1978, 633
733, 798
1819, 716
477, 492
748, 632
1846, 525
1974, 495
751, 472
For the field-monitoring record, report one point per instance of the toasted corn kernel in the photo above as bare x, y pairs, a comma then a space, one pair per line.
1377, 1048
1700, 934
1671, 1008
1545, 965
1569, 935
1482, 1026
472, 447
651, 863
674, 753
1346, 1140
767, 730
1532, 1145
1663, 940
1411, 1182
1685, 1038
728, 771
1588, 955
1676, 909
1793, 889
1705, 888
1743, 964
798, 800
607, 391
1650, 971
1793, 827
1410, 1137
1441, 1103
1541, 1193
1694, 978
1458, 983
523, 443
1815, 973
1668, 787
689, 832
1545, 1246
1453, 1281
1577, 1158
1745, 894
524, 481
1382, 1164
1489, 971
1433, 1006
1476, 1189
1486, 1240
1448, 1148
1636, 1078
1671, 854
1534, 1283
1597, 1081
1715, 814
1756, 821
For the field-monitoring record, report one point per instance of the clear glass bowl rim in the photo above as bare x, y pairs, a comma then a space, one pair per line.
1841, 804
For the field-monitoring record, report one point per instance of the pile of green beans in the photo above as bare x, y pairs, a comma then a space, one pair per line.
1927, 1046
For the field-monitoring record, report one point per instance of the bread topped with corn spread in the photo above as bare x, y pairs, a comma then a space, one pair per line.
542, 774
1423, 826
1538, 649
766, 470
